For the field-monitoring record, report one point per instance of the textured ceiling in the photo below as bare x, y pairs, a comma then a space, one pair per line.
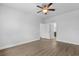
30, 8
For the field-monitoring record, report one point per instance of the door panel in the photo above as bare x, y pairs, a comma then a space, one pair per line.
44, 31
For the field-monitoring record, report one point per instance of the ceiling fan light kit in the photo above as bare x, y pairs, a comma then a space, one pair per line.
45, 8
45, 11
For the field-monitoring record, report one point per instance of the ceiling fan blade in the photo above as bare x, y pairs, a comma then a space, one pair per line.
39, 6
51, 9
50, 4
39, 11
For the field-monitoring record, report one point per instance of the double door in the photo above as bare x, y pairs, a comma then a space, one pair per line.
48, 31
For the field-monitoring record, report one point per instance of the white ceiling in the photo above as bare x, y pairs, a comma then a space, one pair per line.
30, 8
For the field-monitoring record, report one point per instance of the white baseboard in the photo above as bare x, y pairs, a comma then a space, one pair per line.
17, 44
69, 42
65, 41
20, 43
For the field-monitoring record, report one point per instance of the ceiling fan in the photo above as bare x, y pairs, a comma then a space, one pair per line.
45, 8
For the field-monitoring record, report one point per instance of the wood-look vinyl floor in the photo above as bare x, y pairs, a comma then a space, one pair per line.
42, 47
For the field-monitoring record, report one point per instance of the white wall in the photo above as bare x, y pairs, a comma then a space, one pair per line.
17, 27
67, 27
